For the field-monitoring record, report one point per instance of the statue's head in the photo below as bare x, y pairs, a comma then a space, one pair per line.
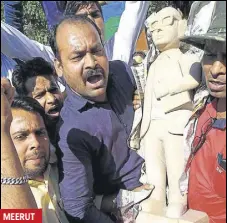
167, 27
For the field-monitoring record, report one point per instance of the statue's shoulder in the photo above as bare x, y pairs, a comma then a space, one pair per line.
190, 63
189, 58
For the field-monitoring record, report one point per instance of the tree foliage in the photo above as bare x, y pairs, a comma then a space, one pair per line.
35, 25
34, 22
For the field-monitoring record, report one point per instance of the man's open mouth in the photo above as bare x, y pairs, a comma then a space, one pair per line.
54, 111
95, 78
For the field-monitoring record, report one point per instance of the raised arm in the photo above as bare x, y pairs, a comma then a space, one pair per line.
15, 44
12, 196
131, 23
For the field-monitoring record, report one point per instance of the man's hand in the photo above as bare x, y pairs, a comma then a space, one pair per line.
136, 100
7, 96
108, 204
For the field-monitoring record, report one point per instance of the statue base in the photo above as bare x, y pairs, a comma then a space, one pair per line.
191, 216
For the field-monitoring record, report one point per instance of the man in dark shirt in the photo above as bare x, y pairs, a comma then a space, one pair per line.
96, 121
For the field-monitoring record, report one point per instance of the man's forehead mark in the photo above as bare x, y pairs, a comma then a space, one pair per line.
93, 46
27, 131
75, 45
73, 40
38, 90
23, 121
46, 80
42, 90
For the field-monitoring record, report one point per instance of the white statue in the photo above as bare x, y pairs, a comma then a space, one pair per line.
167, 108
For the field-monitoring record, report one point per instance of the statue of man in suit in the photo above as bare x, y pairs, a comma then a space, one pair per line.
168, 104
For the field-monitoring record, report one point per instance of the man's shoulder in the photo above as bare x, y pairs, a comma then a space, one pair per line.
68, 112
189, 58
209, 105
114, 64
122, 73
72, 120
79, 134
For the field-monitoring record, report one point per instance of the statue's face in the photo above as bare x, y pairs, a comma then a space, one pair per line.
164, 28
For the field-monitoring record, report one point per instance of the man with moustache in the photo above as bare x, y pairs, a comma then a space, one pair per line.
96, 121
205, 149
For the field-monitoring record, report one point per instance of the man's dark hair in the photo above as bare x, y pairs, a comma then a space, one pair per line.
30, 105
31, 68
79, 19
73, 6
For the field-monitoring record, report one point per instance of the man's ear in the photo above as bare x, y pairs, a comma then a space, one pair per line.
58, 67
182, 26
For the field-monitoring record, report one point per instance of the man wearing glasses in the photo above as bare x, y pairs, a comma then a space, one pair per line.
206, 130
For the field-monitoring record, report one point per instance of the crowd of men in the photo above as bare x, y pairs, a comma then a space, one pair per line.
65, 149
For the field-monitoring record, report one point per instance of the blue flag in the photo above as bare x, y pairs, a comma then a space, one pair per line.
112, 12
